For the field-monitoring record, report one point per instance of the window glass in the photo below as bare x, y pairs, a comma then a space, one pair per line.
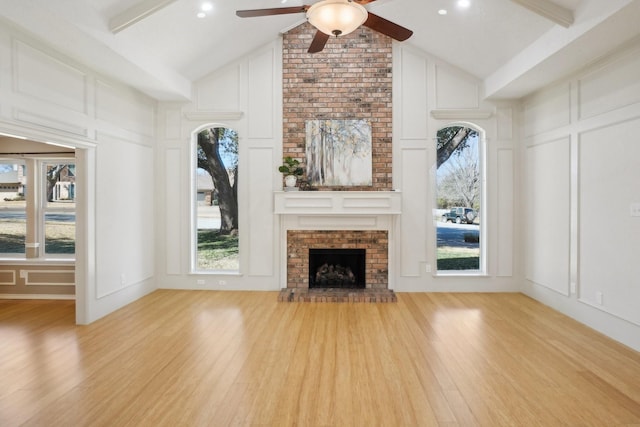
459, 193
216, 200
59, 208
13, 221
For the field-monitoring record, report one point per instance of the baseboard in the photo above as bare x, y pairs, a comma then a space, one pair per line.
37, 296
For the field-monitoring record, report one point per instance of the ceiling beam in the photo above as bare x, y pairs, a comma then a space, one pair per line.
548, 9
136, 13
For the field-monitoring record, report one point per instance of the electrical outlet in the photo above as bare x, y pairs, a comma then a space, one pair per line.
200, 281
599, 298
222, 282
427, 268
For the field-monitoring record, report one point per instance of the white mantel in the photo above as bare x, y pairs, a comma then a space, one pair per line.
338, 210
337, 202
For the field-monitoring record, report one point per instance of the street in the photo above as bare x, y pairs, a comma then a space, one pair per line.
451, 234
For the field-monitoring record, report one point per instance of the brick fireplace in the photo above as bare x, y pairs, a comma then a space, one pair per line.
351, 79
375, 243
341, 220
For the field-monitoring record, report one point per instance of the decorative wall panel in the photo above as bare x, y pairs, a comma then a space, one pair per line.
609, 175
547, 217
614, 86
455, 89
547, 110
48, 79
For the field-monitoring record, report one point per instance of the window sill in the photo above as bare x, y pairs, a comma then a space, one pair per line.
460, 273
39, 261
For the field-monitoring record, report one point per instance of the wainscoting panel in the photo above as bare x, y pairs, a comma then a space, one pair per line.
455, 89
413, 96
611, 87
505, 213
547, 110
261, 99
548, 215
413, 247
261, 232
608, 227
131, 110
7, 277
48, 79
220, 91
47, 277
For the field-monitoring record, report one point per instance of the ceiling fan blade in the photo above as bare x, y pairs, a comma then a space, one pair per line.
363, 2
318, 42
251, 13
387, 28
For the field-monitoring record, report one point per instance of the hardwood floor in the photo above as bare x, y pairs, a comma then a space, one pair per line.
204, 358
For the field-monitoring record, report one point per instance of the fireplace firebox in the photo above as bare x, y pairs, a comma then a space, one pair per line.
337, 268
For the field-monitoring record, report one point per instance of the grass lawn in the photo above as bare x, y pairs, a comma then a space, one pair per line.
60, 239
454, 258
217, 251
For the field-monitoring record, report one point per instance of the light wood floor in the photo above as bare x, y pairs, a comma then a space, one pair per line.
203, 358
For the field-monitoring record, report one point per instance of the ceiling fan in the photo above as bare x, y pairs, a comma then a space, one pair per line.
337, 18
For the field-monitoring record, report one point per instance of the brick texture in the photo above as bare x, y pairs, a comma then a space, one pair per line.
349, 79
375, 242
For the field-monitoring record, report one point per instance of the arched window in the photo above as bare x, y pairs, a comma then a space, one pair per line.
215, 200
460, 193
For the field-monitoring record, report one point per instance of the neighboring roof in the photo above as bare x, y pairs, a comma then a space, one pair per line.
204, 182
9, 177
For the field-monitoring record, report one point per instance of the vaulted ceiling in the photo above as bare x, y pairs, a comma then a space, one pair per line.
162, 47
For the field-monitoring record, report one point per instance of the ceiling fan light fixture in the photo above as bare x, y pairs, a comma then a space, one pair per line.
336, 17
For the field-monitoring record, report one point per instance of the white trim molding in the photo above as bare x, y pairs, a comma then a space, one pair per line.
547, 9
461, 114
38, 296
24, 274
213, 116
12, 273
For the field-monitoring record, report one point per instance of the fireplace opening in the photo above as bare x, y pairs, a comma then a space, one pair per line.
337, 268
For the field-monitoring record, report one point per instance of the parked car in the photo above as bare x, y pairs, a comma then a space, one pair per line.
460, 215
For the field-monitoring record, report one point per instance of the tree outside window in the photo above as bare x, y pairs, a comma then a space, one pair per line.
459, 198
216, 200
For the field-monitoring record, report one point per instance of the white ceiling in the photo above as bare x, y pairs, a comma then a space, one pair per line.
514, 46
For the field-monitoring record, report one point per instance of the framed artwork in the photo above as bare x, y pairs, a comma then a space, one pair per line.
338, 152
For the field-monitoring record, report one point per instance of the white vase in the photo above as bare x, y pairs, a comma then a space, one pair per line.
290, 180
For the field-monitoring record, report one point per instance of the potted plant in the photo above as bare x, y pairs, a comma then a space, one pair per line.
291, 170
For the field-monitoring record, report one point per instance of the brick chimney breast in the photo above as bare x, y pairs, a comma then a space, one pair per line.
350, 79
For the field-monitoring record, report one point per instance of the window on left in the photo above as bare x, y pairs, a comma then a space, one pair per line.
13, 207
59, 208
37, 207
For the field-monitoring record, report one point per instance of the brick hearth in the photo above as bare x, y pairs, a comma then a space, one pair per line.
337, 295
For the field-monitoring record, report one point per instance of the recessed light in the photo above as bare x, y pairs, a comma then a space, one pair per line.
442, 12
464, 3
201, 15
205, 7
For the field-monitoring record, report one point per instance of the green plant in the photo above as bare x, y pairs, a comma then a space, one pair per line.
291, 166
471, 238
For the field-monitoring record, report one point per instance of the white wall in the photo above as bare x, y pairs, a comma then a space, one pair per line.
582, 155
48, 97
246, 96
428, 95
